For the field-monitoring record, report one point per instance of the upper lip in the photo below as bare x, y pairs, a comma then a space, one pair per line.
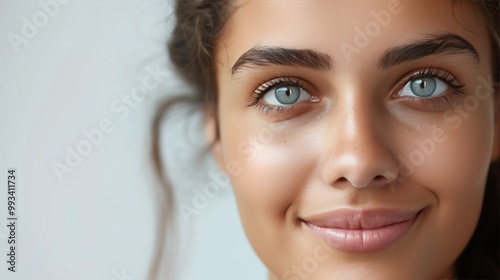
358, 219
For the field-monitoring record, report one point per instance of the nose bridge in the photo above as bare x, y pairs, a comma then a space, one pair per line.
359, 150
359, 119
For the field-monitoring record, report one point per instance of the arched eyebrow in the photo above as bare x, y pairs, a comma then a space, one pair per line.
433, 44
267, 55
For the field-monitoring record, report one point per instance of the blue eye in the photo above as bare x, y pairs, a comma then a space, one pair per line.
424, 87
286, 95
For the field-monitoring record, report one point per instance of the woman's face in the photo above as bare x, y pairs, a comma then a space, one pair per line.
357, 134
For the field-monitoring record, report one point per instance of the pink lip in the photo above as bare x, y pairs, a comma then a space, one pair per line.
362, 230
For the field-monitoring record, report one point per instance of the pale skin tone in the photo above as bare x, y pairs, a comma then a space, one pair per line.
343, 143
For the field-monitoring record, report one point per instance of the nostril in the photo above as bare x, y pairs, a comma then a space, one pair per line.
379, 178
342, 180
348, 171
382, 180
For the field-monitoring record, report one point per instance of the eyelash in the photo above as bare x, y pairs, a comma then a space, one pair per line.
446, 77
264, 88
443, 99
443, 75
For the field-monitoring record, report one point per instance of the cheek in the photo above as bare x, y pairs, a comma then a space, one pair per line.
269, 176
455, 167
454, 171
272, 173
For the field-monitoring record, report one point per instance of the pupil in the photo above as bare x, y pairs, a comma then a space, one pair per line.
423, 87
287, 94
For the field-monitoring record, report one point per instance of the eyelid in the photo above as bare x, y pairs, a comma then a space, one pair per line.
446, 76
270, 83
439, 86
263, 89
431, 103
434, 72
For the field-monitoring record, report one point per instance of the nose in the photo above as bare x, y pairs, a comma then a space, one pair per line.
359, 149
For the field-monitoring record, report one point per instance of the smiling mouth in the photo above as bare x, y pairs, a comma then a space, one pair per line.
365, 230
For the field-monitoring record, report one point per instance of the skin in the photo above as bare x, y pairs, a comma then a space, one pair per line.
344, 148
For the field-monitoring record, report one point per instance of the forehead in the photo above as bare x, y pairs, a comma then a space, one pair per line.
337, 26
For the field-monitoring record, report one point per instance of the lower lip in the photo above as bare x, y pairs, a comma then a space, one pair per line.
363, 240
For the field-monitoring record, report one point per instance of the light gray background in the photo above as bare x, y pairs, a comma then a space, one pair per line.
98, 223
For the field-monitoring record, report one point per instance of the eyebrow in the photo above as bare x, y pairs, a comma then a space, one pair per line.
434, 44
267, 56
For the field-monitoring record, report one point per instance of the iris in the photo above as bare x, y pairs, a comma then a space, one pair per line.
287, 94
423, 87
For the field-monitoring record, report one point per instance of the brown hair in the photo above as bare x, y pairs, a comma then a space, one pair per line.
199, 24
